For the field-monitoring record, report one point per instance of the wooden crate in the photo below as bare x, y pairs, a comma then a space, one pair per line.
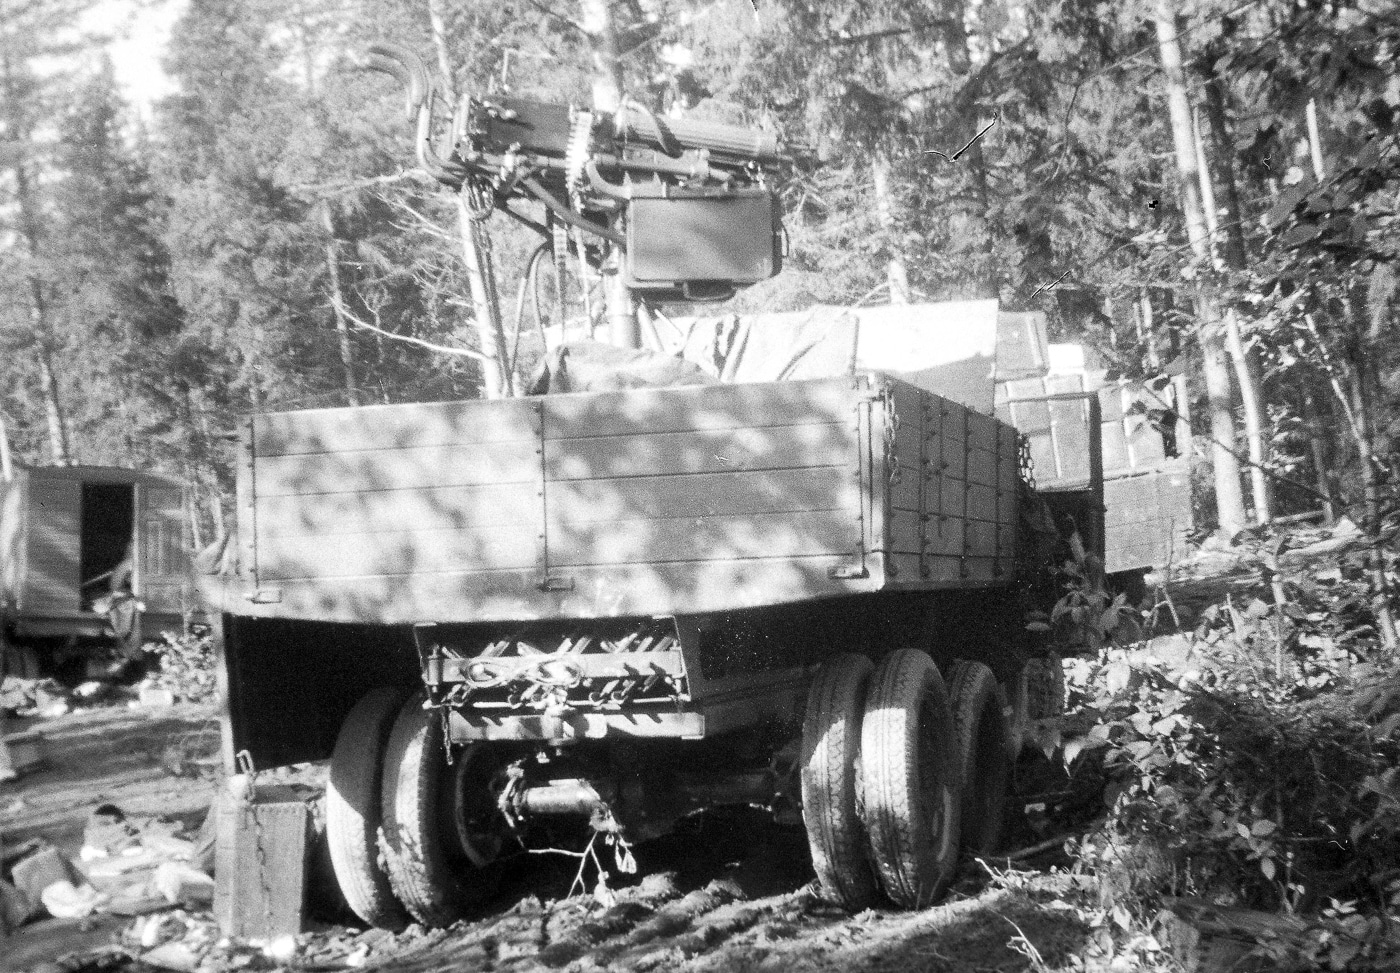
1148, 518
1063, 430
21, 753
260, 861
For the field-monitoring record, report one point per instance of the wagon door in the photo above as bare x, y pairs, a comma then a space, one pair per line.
162, 576
11, 543
52, 582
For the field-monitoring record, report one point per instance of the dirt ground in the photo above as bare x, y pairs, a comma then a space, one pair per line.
136, 759
728, 892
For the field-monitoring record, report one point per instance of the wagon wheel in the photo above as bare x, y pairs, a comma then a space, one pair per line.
353, 813
984, 754
439, 837
830, 779
909, 776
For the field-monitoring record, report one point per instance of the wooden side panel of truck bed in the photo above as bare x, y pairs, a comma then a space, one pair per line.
646, 502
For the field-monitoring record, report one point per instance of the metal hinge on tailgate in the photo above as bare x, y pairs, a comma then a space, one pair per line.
847, 571
868, 394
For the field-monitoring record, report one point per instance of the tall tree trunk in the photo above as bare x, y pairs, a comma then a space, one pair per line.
1229, 498
7, 466
607, 67
31, 232
476, 254
437, 21
342, 326
986, 283
1146, 335
1315, 141
623, 327
54, 413
1312, 422
897, 272
1246, 369
1231, 238
476, 249
1364, 384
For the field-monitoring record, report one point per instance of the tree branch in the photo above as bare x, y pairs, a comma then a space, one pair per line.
551, 12
353, 185
408, 339
942, 23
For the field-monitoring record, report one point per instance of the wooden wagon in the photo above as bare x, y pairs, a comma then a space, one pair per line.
91, 556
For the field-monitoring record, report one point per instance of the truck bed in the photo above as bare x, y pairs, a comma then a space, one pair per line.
669, 501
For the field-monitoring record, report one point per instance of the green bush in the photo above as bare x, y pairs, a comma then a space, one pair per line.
183, 664
1252, 763
1222, 785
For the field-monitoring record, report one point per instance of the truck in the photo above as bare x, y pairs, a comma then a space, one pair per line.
91, 559
610, 610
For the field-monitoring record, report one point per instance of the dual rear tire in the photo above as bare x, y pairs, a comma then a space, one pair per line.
411, 836
899, 769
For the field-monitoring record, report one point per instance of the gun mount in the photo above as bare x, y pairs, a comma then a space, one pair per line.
691, 203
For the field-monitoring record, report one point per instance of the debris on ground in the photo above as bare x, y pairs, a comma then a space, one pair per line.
34, 697
154, 697
20, 753
131, 867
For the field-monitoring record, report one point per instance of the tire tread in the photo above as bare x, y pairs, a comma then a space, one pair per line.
973, 690
410, 843
831, 733
890, 769
353, 809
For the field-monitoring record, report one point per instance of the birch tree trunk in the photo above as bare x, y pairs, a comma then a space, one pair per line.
1363, 388
623, 327
438, 24
1246, 369
476, 247
54, 413
476, 254
986, 283
342, 326
897, 272
7, 467
1229, 497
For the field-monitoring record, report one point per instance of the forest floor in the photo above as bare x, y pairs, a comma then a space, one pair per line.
730, 891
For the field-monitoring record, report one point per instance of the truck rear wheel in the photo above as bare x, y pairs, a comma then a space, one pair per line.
984, 754
830, 777
439, 863
353, 809
909, 777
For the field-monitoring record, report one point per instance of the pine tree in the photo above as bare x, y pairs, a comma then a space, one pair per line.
34, 36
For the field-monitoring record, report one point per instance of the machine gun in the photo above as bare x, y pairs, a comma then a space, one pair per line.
691, 203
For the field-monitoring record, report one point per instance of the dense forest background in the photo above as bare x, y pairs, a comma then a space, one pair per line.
262, 241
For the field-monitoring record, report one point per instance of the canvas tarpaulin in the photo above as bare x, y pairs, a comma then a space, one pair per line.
948, 348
